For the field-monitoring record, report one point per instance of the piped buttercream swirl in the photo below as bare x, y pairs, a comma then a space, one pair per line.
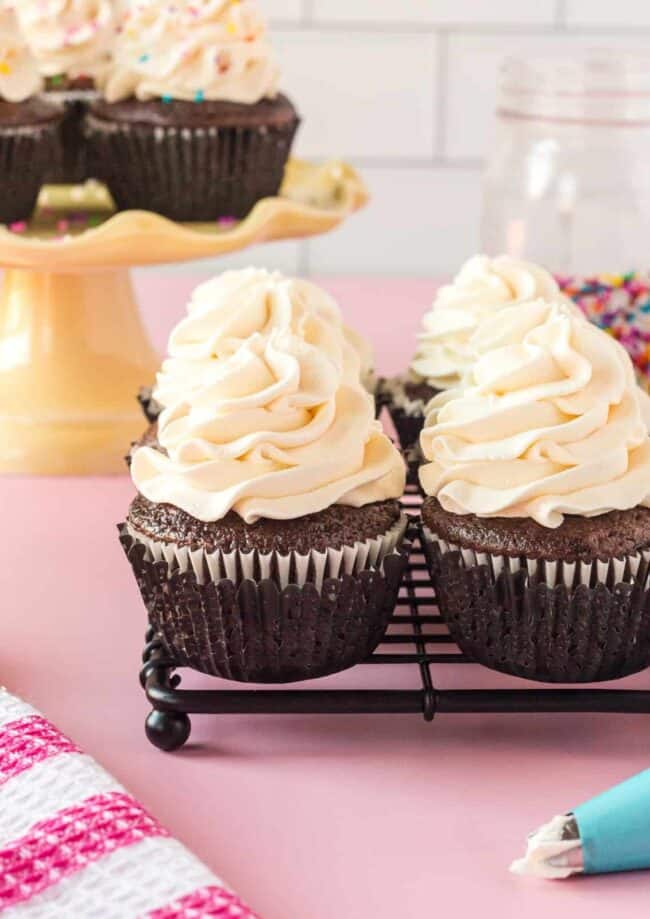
68, 37
482, 288
19, 75
264, 412
229, 309
194, 50
550, 421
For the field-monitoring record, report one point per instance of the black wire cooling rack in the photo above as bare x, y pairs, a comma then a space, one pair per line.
416, 636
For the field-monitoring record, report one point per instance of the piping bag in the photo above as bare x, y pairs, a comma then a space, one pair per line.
611, 832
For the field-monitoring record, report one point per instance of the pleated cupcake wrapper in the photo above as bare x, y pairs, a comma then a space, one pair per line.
294, 568
610, 572
548, 621
189, 173
25, 154
73, 165
256, 630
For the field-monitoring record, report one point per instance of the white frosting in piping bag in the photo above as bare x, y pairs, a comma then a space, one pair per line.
70, 37
264, 412
193, 50
550, 856
19, 76
482, 288
550, 422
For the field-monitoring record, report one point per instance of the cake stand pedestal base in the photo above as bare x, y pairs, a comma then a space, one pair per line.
73, 354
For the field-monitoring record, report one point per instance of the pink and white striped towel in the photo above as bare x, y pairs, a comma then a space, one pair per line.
74, 844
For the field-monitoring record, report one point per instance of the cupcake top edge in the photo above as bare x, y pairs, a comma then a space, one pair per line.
264, 412
69, 39
19, 75
482, 288
550, 422
336, 527
211, 50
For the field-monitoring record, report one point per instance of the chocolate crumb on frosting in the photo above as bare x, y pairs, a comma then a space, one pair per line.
586, 539
332, 528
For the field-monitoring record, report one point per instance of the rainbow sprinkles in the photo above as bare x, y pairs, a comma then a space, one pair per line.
619, 304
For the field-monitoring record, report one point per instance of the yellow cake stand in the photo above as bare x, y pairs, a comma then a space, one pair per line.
73, 350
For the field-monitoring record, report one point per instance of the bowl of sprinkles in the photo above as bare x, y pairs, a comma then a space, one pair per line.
619, 304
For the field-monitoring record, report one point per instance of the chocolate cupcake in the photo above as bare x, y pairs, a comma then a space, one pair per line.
192, 125
444, 353
30, 127
266, 535
537, 524
71, 41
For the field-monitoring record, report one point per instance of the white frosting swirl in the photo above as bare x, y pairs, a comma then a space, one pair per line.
193, 50
229, 309
68, 37
264, 412
551, 422
19, 76
482, 287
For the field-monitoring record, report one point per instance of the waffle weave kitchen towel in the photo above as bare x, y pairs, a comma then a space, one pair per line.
75, 844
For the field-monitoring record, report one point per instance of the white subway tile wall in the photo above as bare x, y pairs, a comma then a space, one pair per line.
473, 63
436, 12
404, 89
628, 13
423, 221
360, 99
284, 10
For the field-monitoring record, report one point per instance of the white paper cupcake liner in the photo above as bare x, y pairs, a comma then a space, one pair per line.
560, 622
623, 570
293, 568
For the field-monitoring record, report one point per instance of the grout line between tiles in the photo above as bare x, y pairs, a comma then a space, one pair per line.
396, 162
441, 96
308, 24
407, 27
307, 16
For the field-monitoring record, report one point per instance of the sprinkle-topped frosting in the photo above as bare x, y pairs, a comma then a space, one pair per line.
19, 76
482, 287
193, 50
551, 422
264, 412
68, 37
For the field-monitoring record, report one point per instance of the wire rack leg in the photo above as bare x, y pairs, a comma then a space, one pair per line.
166, 730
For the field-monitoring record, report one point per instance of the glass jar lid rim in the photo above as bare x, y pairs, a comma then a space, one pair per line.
597, 70
594, 85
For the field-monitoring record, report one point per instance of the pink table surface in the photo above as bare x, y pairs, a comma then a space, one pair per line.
319, 817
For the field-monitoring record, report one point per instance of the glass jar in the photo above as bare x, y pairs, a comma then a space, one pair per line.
568, 181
